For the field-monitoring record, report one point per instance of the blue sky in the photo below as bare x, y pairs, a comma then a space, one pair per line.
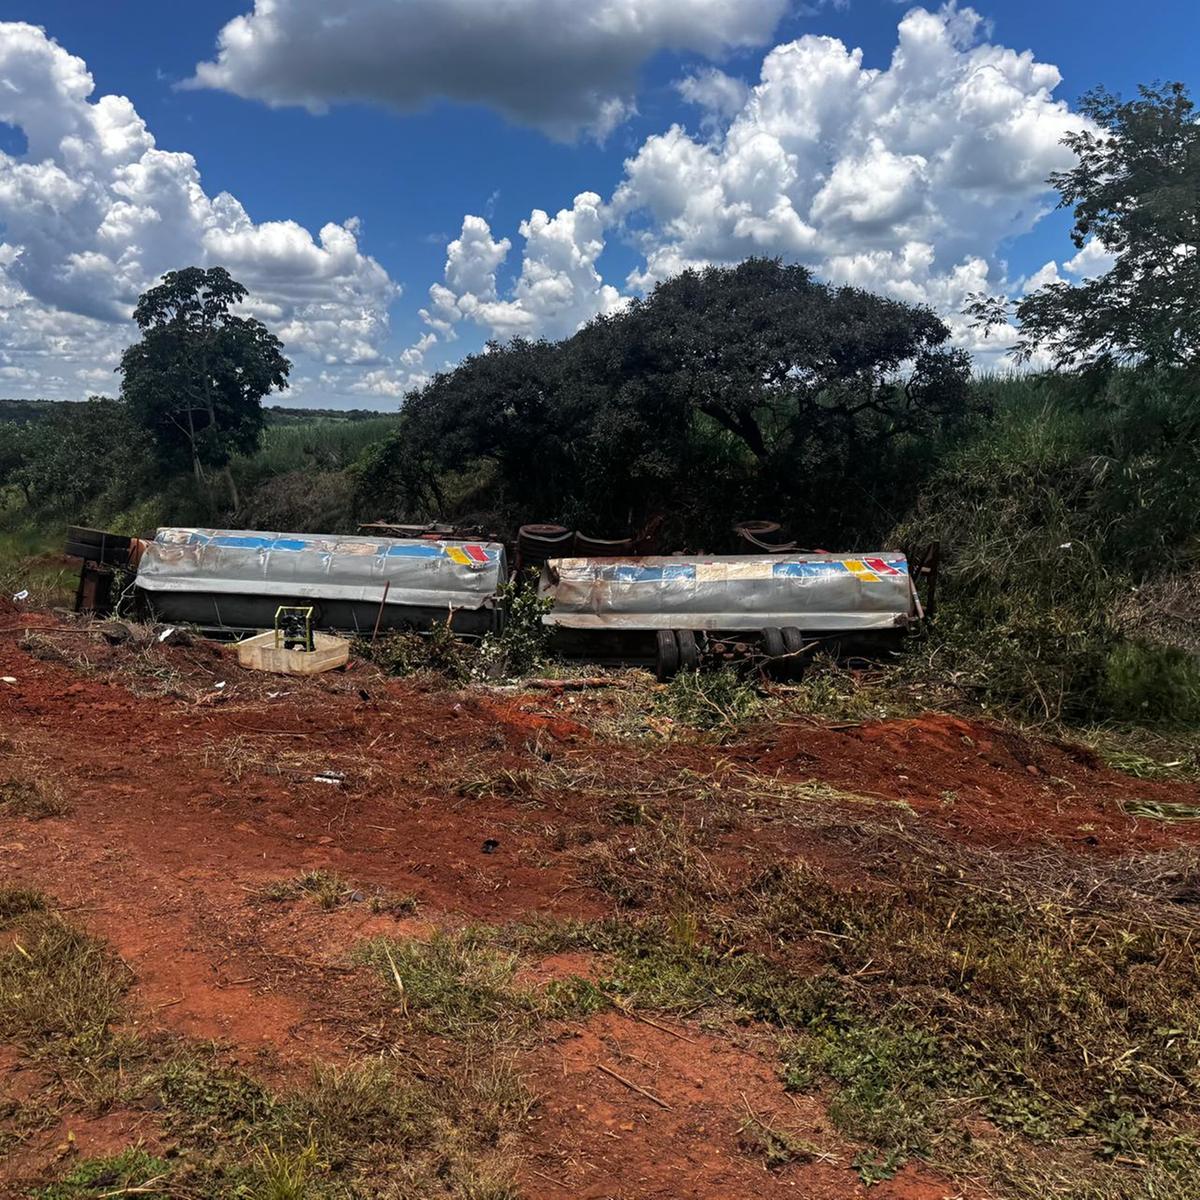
410, 178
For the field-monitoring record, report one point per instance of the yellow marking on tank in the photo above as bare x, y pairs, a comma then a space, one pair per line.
860, 570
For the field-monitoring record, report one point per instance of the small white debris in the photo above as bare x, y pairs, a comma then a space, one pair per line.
1066, 545
333, 778
8, 679
23, 594
219, 686
166, 633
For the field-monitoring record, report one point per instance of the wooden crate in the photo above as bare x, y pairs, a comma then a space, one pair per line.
260, 653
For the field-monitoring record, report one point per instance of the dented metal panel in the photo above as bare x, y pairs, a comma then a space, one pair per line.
417, 572
818, 593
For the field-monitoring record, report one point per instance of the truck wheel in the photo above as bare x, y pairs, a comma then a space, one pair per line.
666, 660
793, 641
689, 652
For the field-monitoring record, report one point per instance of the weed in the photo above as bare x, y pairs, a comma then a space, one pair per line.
133, 1172
338, 1136
710, 700
523, 643
61, 991
201, 1098
345, 1110
660, 861
35, 801
455, 984
394, 904
1058, 999
327, 888
283, 1173
777, 1147
439, 651
17, 901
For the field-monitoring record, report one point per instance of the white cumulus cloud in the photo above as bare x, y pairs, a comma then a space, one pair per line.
558, 290
906, 179
562, 66
93, 212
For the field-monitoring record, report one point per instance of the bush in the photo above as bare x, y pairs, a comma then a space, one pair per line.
302, 502
1048, 514
1151, 684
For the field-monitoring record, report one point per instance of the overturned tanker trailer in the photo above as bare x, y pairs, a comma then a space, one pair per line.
685, 612
235, 580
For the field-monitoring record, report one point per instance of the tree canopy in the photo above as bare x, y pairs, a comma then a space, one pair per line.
196, 379
723, 391
1135, 191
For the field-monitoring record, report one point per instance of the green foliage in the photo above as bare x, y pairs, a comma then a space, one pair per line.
1147, 685
17, 901
453, 984
60, 990
131, 1173
523, 642
1047, 514
406, 652
301, 502
285, 1173
81, 460
777, 1147
197, 378
710, 700
1133, 189
723, 389
520, 647
1057, 999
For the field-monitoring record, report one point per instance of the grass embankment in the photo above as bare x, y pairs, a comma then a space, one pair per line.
425, 1131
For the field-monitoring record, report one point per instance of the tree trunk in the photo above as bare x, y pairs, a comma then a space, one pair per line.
233, 491
743, 425
197, 469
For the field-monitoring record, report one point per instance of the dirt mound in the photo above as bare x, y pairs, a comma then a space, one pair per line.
980, 782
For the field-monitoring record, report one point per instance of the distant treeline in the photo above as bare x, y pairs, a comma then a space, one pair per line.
20, 411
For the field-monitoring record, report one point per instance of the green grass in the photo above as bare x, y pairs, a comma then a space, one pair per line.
17, 902
62, 992
133, 1172
346, 1132
327, 888
323, 444
462, 985
721, 700
30, 560
329, 891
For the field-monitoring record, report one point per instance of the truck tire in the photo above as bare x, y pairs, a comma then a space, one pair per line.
793, 641
689, 652
666, 659
774, 647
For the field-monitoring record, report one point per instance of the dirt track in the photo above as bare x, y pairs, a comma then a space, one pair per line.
185, 805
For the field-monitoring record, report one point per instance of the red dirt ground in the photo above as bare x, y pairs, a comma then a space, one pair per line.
188, 798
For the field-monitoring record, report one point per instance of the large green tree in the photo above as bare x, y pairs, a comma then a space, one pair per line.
197, 378
727, 391
1135, 191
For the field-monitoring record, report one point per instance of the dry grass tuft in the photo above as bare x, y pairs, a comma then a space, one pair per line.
35, 800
